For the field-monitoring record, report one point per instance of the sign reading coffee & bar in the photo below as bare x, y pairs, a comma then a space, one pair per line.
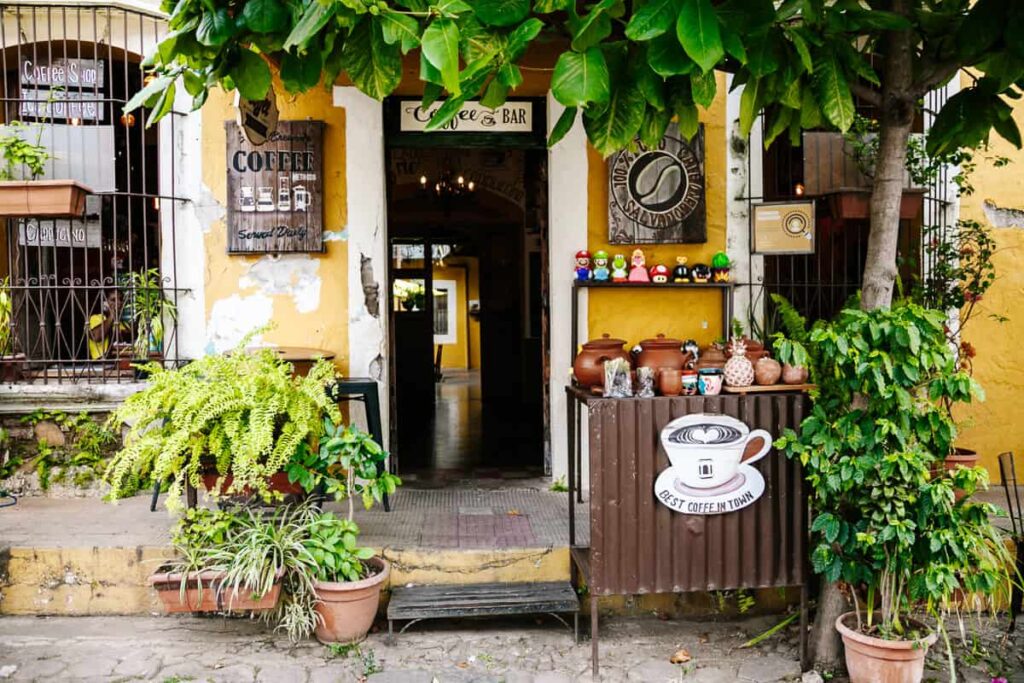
473, 117
275, 190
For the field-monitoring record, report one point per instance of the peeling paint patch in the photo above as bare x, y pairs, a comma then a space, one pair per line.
1003, 218
296, 275
336, 235
208, 210
371, 290
234, 317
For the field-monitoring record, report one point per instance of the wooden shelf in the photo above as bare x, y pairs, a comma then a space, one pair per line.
761, 389
608, 284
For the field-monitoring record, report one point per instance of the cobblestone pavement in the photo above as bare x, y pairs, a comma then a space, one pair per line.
174, 650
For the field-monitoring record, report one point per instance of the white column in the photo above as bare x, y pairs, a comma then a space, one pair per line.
368, 296
567, 233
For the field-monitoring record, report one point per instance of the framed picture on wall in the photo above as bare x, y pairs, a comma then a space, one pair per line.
782, 228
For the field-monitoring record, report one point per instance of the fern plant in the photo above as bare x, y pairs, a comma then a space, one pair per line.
793, 346
242, 414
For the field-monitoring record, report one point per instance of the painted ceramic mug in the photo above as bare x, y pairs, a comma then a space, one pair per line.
710, 382
706, 450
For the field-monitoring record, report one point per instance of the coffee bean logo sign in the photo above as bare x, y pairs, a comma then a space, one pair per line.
658, 188
795, 224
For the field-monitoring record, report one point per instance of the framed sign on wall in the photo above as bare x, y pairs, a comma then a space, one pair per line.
275, 190
782, 228
656, 196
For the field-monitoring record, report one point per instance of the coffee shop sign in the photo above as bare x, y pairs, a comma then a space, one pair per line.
473, 117
711, 469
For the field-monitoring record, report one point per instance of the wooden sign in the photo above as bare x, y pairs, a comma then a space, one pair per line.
783, 228
275, 190
61, 72
510, 117
656, 196
62, 89
258, 118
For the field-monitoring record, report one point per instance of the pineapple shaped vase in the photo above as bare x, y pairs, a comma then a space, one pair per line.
739, 371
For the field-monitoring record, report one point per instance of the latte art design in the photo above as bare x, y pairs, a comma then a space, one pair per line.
705, 435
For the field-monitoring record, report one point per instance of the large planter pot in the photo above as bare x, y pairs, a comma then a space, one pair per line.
278, 482
43, 198
855, 203
347, 609
212, 597
960, 457
874, 660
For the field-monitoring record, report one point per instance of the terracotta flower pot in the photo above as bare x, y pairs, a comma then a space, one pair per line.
874, 660
960, 457
278, 482
43, 198
793, 375
347, 609
212, 598
588, 368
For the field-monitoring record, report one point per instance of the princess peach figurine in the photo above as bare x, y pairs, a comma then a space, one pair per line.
638, 273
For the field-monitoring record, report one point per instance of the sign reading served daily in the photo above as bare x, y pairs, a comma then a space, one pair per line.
511, 117
656, 196
275, 190
711, 469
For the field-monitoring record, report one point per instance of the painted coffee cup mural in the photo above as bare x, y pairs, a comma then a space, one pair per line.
711, 457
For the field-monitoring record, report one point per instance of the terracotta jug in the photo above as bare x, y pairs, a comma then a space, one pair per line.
711, 357
588, 368
670, 381
793, 375
767, 371
662, 352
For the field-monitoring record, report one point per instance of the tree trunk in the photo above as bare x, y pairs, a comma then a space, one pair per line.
825, 644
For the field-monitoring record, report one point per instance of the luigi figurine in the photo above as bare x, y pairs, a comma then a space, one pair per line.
583, 272
601, 272
681, 273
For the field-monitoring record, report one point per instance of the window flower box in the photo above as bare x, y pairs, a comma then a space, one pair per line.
42, 198
205, 592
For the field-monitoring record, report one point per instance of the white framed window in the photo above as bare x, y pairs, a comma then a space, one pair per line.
445, 321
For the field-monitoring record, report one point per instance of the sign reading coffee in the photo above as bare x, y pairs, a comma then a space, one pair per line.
275, 190
656, 196
711, 458
473, 117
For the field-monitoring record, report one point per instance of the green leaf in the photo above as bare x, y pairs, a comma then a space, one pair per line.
501, 12
833, 92
299, 74
374, 66
215, 27
510, 76
400, 28
800, 45
590, 30
650, 84
652, 19
688, 120
733, 45
549, 6
666, 57
751, 102
580, 78
522, 36
704, 87
265, 16
698, 33
251, 75
452, 8
652, 130
495, 95
562, 126
163, 105
149, 94
763, 54
615, 126
314, 18
441, 48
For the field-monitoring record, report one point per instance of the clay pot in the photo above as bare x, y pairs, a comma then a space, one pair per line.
754, 349
873, 660
767, 371
214, 596
277, 482
588, 368
711, 357
960, 457
670, 381
347, 610
793, 375
662, 352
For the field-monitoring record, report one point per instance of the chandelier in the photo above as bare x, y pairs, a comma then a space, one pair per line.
448, 185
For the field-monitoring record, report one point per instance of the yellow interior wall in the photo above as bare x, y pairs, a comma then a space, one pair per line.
327, 326
635, 314
994, 426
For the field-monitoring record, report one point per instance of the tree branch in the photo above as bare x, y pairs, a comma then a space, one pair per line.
866, 93
933, 75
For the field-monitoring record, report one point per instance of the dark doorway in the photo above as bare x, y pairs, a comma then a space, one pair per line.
467, 233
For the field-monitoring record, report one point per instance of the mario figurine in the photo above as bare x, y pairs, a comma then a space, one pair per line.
601, 272
583, 272
619, 273
681, 273
638, 273
659, 274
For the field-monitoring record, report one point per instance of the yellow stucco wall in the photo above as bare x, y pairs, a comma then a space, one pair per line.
301, 318
995, 425
633, 314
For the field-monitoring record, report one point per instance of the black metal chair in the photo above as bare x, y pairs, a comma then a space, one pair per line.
1008, 472
363, 389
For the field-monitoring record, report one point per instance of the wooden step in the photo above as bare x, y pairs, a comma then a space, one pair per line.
414, 603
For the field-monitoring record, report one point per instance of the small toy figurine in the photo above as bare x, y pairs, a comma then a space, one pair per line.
601, 272
583, 272
619, 273
720, 265
638, 273
691, 347
700, 273
680, 273
659, 274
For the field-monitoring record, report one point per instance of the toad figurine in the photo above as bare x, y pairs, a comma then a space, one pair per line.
659, 274
583, 272
601, 272
700, 273
681, 273
619, 273
638, 273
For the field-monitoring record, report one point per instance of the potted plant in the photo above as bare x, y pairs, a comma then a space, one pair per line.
233, 422
148, 306
10, 362
21, 193
793, 347
905, 547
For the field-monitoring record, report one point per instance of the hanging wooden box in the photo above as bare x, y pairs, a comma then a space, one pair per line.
42, 198
855, 204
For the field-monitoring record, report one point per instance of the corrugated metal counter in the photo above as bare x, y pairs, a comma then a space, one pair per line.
637, 545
